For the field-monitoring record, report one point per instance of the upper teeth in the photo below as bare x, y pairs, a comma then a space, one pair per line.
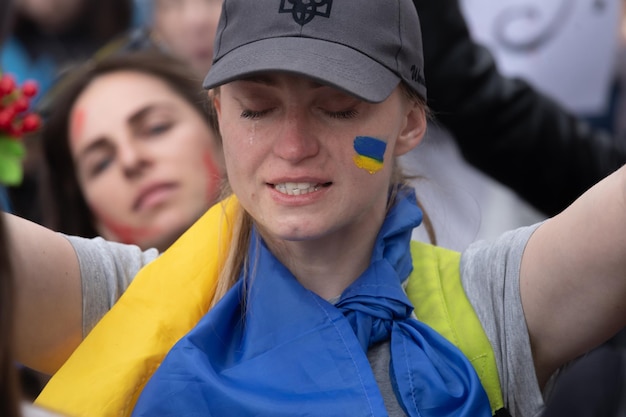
296, 188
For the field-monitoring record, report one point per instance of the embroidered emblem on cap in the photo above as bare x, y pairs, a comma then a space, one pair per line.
303, 11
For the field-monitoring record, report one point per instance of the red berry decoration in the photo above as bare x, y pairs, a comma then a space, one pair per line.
6, 119
31, 122
15, 121
7, 84
30, 88
16, 130
20, 104
14, 103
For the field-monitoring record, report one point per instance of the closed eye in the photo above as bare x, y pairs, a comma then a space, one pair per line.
99, 166
253, 114
346, 114
156, 129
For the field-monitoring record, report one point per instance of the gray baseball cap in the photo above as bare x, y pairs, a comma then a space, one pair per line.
363, 47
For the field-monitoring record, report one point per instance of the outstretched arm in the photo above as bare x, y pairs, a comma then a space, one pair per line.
48, 324
573, 276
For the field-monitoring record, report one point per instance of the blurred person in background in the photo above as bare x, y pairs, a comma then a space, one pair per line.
145, 172
186, 29
183, 28
47, 35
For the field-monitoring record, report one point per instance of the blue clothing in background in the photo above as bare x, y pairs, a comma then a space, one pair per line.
15, 60
5, 202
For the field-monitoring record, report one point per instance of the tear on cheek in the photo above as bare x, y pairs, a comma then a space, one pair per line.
370, 153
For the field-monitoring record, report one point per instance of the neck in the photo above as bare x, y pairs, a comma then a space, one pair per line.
329, 265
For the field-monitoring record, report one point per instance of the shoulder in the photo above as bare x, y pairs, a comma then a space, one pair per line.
497, 253
490, 272
107, 252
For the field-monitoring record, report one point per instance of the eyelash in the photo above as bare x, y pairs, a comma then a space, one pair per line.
251, 114
346, 114
158, 128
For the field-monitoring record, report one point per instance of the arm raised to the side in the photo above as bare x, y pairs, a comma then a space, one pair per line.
48, 299
573, 276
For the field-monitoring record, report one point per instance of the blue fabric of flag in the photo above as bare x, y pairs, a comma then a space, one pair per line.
283, 351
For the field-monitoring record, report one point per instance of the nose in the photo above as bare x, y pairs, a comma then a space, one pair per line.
132, 159
296, 140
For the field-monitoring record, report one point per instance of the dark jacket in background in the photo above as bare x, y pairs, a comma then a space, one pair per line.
503, 126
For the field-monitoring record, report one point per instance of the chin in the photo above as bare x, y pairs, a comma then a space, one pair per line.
294, 234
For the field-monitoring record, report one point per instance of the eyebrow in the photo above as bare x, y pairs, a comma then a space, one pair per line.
141, 113
134, 119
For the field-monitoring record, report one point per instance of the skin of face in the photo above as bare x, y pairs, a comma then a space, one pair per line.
52, 15
279, 130
186, 29
147, 164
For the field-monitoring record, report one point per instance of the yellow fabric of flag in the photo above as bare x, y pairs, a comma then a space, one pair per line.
102, 377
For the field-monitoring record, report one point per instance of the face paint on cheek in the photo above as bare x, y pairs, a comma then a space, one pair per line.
77, 124
128, 234
370, 153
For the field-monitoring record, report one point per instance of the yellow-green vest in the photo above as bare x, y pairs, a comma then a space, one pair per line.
107, 372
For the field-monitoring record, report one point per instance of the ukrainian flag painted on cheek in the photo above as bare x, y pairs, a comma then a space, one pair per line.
370, 153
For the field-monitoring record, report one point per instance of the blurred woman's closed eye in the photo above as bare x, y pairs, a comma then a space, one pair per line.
100, 166
95, 159
153, 120
155, 129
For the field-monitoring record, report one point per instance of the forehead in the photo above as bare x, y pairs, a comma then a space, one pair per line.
121, 89
111, 100
177, 5
287, 82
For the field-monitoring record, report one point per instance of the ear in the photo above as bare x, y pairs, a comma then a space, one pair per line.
414, 129
214, 97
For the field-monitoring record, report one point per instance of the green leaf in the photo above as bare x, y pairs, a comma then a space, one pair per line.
12, 153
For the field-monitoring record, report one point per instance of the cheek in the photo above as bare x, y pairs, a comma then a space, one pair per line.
105, 198
120, 231
235, 150
369, 153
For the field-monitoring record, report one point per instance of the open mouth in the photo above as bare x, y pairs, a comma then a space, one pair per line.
299, 188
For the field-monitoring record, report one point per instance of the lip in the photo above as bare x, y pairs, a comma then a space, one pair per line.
153, 195
322, 185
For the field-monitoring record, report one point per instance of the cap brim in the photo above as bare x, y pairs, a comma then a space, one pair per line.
327, 62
